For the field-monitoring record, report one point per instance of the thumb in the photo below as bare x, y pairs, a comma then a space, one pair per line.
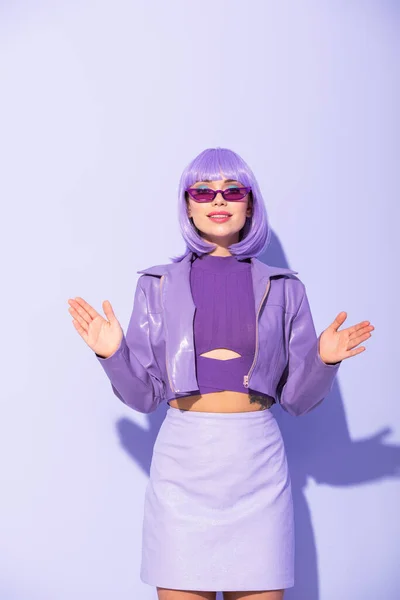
108, 311
339, 320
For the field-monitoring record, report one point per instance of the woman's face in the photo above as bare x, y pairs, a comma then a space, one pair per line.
226, 232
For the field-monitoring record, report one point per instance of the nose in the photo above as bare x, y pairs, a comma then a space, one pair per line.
219, 199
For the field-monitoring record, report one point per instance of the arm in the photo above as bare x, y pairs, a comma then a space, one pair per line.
132, 369
306, 379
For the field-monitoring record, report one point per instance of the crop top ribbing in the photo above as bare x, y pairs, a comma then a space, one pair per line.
225, 317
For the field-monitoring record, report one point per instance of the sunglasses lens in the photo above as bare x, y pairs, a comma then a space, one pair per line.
202, 195
233, 194
207, 195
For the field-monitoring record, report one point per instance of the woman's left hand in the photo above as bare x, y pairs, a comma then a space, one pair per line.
334, 345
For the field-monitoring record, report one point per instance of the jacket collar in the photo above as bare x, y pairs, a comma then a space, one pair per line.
260, 269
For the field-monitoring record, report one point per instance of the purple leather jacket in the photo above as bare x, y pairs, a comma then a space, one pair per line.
156, 358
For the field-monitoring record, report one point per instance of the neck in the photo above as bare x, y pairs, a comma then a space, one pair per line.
221, 244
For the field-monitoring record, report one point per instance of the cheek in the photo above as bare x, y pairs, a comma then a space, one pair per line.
199, 210
241, 211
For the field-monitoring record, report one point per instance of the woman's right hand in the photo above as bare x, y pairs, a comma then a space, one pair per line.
101, 335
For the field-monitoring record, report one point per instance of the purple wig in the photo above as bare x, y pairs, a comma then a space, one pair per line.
214, 164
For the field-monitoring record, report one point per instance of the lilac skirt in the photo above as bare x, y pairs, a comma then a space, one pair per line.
218, 511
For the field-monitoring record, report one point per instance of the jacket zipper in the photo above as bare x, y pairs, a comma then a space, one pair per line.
166, 343
246, 377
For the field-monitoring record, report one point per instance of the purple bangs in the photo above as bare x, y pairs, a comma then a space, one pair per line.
214, 164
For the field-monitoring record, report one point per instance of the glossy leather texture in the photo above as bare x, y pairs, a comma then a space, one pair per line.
156, 357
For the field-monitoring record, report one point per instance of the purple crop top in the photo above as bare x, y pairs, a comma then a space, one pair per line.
225, 317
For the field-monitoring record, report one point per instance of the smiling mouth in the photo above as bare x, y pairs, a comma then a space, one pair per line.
219, 217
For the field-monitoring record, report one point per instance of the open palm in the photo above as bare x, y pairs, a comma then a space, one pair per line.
103, 336
335, 345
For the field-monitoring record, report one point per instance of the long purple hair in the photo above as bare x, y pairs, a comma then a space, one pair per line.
214, 164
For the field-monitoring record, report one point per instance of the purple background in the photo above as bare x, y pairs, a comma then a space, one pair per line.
101, 102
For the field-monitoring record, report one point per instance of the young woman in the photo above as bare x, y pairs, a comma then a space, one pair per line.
220, 337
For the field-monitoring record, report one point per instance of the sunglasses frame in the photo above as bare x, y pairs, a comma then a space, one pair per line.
215, 192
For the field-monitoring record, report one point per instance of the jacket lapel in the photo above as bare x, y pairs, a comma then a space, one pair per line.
261, 274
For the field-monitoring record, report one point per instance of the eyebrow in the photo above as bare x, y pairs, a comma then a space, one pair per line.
225, 180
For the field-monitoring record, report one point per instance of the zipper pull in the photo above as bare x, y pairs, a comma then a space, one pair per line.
246, 381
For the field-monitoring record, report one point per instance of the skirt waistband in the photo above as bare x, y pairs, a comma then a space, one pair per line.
265, 414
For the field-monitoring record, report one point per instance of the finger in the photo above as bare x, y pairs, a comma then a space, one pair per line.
80, 330
339, 320
86, 306
359, 327
78, 310
361, 331
356, 328
83, 323
355, 351
361, 338
108, 311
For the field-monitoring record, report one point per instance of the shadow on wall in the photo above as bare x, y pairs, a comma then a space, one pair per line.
317, 444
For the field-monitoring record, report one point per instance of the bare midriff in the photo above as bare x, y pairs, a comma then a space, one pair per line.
224, 401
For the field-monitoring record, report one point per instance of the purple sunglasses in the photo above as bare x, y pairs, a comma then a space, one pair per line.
233, 194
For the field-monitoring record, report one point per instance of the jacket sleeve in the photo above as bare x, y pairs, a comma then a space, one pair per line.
132, 369
307, 379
